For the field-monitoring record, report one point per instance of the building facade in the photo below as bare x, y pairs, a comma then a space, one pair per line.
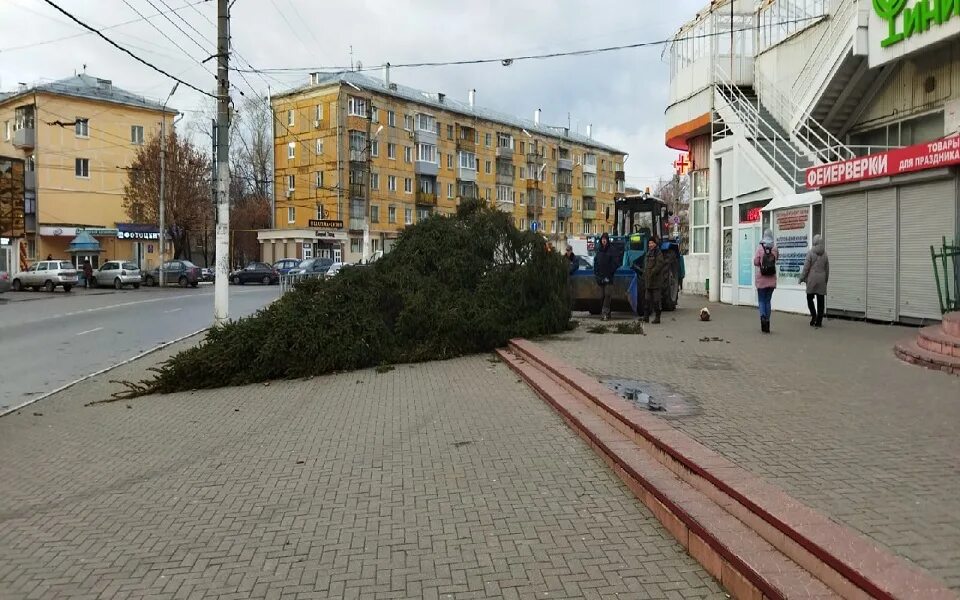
358, 158
821, 117
77, 137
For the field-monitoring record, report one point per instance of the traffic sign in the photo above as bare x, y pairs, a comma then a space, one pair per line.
675, 219
534, 225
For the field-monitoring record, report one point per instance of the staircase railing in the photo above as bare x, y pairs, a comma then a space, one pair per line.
758, 130
831, 37
816, 140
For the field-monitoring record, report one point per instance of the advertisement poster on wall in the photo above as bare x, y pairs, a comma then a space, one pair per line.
791, 235
749, 238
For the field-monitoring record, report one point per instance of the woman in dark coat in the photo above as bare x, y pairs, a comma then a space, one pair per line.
816, 274
605, 264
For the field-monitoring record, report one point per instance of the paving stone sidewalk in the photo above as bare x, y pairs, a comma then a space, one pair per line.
831, 416
443, 480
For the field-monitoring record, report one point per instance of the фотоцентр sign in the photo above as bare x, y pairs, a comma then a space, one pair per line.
941, 153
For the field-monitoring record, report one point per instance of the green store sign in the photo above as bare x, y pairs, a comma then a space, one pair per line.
904, 22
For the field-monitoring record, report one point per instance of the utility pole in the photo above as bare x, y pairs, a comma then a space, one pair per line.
221, 299
163, 180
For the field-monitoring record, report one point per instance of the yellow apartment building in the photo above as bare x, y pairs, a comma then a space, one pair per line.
77, 137
359, 158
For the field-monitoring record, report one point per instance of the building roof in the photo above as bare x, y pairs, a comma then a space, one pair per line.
89, 88
444, 102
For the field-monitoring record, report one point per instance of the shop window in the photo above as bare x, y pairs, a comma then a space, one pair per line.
700, 227
817, 222
356, 245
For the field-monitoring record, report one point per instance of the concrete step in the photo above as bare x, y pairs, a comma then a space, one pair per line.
911, 352
935, 339
846, 563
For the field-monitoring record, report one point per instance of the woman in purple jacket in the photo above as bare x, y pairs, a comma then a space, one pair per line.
765, 261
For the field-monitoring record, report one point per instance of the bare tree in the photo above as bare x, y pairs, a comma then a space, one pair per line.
675, 192
186, 195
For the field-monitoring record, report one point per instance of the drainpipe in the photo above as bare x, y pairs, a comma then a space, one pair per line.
339, 154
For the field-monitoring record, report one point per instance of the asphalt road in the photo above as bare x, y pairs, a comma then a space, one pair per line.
49, 340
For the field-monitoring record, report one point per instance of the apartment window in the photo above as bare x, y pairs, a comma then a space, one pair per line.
291, 182
82, 167
291, 214
449, 190
374, 114
356, 107
319, 179
356, 245
589, 180
426, 122
407, 185
82, 127
449, 132
391, 118
375, 181
374, 148
392, 183
504, 193
523, 198
618, 167
449, 161
523, 149
486, 194
319, 151
407, 154
486, 166
6, 130
408, 216
427, 153
319, 211
291, 150
290, 118
590, 160
408, 122
468, 160
374, 214
136, 135
553, 201
486, 140
523, 172
427, 186
392, 214
523, 224
318, 113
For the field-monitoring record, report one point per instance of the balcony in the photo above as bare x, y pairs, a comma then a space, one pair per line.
504, 178
564, 212
532, 211
467, 174
358, 190
30, 180
533, 184
564, 188
358, 223
358, 155
25, 137
589, 215
619, 175
426, 198
468, 191
590, 168
589, 191
467, 142
422, 167
565, 164
504, 152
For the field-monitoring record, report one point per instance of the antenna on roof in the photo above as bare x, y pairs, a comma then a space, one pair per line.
84, 68
351, 57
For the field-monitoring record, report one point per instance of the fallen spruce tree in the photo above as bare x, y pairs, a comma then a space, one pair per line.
451, 286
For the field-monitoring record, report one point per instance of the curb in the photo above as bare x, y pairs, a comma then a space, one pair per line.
22, 405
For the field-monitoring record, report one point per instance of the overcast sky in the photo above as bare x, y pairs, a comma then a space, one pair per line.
622, 93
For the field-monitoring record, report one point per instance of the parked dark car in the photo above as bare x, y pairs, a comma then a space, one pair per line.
208, 274
313, 267
255, 272
180, 272
284, 265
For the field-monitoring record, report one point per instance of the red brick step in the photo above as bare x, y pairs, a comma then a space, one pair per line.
911, 352
935, 339
951, 323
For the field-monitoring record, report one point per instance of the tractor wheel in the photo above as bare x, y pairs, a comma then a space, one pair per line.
671, 291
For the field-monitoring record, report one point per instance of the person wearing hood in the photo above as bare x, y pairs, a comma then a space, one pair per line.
765, 261
816, 274
604, 267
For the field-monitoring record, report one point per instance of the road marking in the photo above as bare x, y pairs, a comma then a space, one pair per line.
90, 331
7, 411
167, 312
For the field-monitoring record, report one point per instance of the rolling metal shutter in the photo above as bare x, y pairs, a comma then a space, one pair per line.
882, 254
845, 237
927, 213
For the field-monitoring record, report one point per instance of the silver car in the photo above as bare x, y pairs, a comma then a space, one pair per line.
46, 274
118, 274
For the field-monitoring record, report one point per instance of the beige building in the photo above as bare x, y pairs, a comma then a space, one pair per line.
360, 158
77, 137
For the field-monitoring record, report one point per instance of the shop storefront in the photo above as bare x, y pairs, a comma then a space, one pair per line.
741, 229
882, 213
136, 242
794, 220
325, 238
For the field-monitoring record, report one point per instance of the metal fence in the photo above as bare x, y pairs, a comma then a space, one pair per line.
946, 271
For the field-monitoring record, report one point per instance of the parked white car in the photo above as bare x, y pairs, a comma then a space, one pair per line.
333, 270
118, 274
46, 274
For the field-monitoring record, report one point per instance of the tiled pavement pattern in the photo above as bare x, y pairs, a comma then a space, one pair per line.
446, 480
830, 416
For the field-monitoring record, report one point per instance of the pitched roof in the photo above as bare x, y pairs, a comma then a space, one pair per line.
90, 88
447, 103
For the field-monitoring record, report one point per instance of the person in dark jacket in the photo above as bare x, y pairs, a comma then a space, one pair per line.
654, 270
816, 274
87, 274
605, 264
572, 258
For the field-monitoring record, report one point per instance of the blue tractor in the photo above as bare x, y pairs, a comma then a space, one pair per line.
637, 218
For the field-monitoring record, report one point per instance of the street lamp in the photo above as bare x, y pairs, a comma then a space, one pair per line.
163, 174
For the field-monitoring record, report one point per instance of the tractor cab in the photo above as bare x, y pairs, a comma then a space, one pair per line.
638, 219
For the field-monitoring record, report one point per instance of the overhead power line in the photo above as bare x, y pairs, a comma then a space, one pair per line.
509, 60
127, 52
